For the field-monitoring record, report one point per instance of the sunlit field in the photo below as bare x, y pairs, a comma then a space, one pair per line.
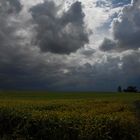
69, 116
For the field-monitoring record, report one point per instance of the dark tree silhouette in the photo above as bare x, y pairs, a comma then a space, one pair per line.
131, 89
119, 89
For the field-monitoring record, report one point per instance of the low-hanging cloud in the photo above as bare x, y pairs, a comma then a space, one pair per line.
61, 34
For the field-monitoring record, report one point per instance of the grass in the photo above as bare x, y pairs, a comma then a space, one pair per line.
38, 115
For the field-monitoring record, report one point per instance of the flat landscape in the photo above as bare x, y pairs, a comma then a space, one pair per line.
41, 115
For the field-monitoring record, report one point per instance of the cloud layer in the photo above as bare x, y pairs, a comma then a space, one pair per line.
55, 46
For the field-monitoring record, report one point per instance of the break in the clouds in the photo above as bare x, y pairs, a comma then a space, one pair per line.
112, 3
69, 44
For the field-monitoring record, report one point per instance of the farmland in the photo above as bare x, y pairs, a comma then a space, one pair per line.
26, 115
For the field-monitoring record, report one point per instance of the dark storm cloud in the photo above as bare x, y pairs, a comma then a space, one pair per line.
16, 4
10, 6
21, 65
126, 29
108, 45
60, 34
16, 64
8, 9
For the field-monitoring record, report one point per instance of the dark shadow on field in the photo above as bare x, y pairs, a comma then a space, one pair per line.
137, 108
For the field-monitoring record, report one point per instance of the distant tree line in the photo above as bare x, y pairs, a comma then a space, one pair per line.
128, 89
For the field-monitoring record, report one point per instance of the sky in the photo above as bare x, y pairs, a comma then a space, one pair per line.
69, 45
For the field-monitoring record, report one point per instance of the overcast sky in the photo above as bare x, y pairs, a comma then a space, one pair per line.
69, 45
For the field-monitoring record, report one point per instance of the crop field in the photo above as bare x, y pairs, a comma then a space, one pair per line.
26, 115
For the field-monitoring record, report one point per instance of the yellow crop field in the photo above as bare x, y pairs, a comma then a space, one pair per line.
69, 116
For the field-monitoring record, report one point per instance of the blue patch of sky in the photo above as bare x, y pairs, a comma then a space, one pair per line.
120, 3
103, 3
106, 25
112, 3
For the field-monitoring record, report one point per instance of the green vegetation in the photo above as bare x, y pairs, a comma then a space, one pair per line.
69, 116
